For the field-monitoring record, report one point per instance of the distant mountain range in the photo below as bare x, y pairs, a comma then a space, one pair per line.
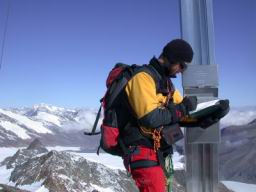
239, 116
58, 126
53, 125
238, 153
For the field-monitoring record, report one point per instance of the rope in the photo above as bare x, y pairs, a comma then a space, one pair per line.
155, 135
5, 32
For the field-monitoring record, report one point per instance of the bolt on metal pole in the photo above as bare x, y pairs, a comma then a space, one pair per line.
201, 80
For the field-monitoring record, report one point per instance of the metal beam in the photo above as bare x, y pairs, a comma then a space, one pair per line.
201, 79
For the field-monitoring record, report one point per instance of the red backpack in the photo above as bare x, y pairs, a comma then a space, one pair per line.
117, 79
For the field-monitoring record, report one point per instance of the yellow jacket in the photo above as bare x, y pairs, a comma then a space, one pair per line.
147, 103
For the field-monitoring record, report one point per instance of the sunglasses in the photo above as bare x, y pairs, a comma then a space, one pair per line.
183, 65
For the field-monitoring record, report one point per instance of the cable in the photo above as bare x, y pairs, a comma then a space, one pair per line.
5, 32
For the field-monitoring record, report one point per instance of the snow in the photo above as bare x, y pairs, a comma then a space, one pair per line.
48, 118
5, 174
42, 189
36, 126
64, 177
16, 129
177, 164
113, 162
11, 137
239, 187
36, 187
76, 157
62, 148
7, 152
4, 179
49, 108
100, 189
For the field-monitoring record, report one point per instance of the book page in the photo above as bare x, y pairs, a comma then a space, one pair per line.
204, 105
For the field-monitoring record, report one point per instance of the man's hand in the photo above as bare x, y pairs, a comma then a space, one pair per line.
190, 103
205, 123
221, 112
181, 110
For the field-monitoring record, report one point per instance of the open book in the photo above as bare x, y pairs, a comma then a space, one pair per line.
206, 114
204, 108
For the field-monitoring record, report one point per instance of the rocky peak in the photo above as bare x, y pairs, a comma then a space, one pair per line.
252, 122
36, 144
63, 172
22, 155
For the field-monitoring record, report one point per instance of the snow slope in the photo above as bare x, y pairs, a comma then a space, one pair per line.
23, 120
53, 125
16, 129
43, 116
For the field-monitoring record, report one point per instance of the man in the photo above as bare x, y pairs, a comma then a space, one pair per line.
151, 105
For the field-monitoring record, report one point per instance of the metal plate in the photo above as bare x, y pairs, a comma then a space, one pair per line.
200, 76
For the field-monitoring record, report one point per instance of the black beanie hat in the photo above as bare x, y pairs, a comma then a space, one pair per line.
178, 50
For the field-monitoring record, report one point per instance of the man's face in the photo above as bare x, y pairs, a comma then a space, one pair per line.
177, 68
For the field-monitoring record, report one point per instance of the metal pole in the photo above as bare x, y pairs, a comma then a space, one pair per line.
200, 79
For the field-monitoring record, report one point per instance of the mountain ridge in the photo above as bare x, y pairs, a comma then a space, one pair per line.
53, 125
237, 153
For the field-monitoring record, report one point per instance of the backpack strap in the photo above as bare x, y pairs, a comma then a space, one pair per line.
152, 72
122, 80
118, 85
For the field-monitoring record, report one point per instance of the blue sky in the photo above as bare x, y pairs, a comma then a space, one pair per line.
59, 52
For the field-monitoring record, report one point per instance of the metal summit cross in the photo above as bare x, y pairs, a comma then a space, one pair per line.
201, 80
